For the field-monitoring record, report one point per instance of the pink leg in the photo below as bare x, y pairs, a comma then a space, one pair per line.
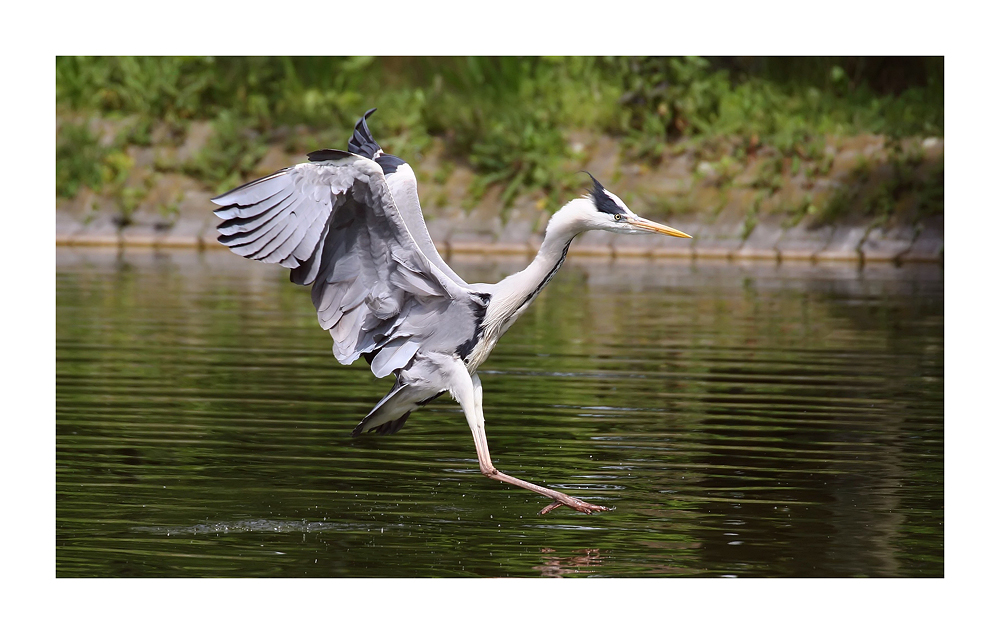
468, 391
561, 499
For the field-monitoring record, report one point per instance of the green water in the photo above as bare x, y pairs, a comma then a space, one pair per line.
743, 419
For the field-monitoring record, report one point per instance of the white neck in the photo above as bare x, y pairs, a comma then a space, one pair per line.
514, 293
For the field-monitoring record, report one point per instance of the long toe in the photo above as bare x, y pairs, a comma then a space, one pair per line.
579, 505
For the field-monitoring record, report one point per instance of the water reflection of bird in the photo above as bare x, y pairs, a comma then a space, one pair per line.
350, 224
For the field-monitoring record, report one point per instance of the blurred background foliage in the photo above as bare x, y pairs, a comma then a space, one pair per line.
508, 118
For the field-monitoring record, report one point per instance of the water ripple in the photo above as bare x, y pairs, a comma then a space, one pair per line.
742, 420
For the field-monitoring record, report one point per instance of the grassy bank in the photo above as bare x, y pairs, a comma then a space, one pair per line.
507, 119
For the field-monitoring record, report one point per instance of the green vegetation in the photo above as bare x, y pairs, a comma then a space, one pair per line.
907, 178
507, 118
230, 153
78, 160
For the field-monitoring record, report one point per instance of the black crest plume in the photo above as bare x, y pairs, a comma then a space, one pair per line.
600, 197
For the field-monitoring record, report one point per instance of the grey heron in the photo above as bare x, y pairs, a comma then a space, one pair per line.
349, 223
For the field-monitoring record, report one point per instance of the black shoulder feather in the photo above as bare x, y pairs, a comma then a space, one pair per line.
327, 155
362, 142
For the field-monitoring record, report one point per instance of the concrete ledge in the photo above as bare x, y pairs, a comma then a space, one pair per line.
928, 253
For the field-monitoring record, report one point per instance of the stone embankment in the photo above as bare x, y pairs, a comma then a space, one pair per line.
766, 206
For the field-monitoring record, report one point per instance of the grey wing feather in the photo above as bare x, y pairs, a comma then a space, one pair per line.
336, 225
403, 185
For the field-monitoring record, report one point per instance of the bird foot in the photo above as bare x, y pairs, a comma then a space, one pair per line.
579, 505
561, 499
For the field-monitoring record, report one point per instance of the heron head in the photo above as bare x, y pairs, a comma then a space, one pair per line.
610, 213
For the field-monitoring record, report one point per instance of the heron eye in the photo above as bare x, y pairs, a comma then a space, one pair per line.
618, 216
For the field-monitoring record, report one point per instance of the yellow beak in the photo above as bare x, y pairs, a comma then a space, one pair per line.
649, 225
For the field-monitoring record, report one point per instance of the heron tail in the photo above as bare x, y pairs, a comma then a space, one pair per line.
385, 428
388, 416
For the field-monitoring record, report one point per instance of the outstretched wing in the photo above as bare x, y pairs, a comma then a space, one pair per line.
403, 186
334, 222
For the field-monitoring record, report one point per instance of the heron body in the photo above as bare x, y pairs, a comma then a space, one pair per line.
350, 225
